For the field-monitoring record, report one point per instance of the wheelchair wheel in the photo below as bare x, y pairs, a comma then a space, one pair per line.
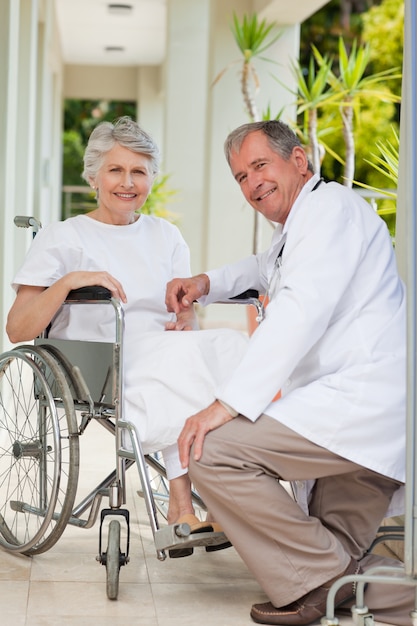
39, 450
113, 560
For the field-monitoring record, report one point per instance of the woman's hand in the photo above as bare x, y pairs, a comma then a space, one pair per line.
75, 280
34, 307
186, 320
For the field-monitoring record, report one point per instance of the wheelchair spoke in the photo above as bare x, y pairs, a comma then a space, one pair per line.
38, 454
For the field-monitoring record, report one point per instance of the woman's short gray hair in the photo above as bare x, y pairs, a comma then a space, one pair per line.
281, 138
124, 132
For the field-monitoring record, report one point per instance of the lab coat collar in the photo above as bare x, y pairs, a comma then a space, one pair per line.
308, 187
281, 230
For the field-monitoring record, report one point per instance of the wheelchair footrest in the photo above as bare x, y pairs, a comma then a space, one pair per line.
176, 535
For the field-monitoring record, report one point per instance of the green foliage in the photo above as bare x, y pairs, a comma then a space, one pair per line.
354, 78
383, 25
73, 151
365, 72
312, 85
160, 196
337, 18
387, 161
373, 125
353, 84
83, 115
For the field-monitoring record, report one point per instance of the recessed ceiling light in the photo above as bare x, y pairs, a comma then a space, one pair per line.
117, 8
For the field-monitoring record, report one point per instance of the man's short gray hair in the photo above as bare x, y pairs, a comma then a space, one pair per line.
281, 138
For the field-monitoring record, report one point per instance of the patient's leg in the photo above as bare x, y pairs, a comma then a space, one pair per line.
180, 502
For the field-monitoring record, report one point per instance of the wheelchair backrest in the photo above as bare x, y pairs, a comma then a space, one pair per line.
95, 360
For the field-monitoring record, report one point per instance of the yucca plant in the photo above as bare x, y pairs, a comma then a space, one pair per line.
351, 85
386, 162
313, 92
253, 37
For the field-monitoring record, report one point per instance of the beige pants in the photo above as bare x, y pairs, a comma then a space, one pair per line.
289, 552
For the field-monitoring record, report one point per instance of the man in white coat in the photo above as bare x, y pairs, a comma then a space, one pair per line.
320, 394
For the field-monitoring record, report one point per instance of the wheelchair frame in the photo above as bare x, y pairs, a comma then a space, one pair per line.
41, 392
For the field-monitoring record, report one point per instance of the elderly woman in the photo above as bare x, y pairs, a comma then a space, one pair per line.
168, 375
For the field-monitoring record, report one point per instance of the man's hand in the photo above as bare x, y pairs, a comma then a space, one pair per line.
197, 426
182, 292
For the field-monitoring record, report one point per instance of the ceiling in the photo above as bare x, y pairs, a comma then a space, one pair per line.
101, 32
133, 32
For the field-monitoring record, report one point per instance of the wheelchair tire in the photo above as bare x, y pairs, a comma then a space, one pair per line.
113, 560
39, 450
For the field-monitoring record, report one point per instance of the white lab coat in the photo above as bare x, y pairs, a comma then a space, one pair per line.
334, 336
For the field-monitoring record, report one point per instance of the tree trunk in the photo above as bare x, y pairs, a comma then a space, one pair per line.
254, 117
345, 14
247, 96
312, 138
347, 118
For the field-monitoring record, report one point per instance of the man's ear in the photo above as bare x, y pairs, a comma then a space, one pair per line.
300, 159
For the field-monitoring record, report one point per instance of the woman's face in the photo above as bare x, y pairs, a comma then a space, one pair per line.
124, 181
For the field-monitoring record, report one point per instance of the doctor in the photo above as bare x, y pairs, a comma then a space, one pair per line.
320, 393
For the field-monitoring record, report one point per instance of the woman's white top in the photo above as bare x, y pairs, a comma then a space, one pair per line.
168, 376
334, 337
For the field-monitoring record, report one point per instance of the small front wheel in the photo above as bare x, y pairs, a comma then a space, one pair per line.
113, 560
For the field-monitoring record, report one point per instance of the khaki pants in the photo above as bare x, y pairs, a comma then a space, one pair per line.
289, 552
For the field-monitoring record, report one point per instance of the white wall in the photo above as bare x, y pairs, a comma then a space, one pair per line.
30, 129
105, 82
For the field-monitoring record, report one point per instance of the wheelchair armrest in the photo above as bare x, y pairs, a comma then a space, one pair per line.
93, 293
249, 295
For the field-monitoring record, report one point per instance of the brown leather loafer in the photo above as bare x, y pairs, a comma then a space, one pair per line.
310, 607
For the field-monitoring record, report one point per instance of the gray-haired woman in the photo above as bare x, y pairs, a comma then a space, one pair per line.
134, 256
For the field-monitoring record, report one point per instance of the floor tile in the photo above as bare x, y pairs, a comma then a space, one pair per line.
78, 599
13, 602
14, 566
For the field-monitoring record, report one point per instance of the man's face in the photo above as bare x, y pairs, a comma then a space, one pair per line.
269, 183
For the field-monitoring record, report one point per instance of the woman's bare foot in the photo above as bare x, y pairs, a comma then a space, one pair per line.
180, 502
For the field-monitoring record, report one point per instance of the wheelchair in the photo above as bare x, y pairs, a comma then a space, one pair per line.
49, 394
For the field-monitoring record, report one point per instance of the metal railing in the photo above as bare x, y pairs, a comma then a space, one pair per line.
77, 199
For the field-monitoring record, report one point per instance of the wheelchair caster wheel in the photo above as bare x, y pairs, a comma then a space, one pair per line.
113, 560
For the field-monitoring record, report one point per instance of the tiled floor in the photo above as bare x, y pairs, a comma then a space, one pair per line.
66, 586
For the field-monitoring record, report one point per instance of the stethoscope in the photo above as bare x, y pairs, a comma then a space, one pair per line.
276, 271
